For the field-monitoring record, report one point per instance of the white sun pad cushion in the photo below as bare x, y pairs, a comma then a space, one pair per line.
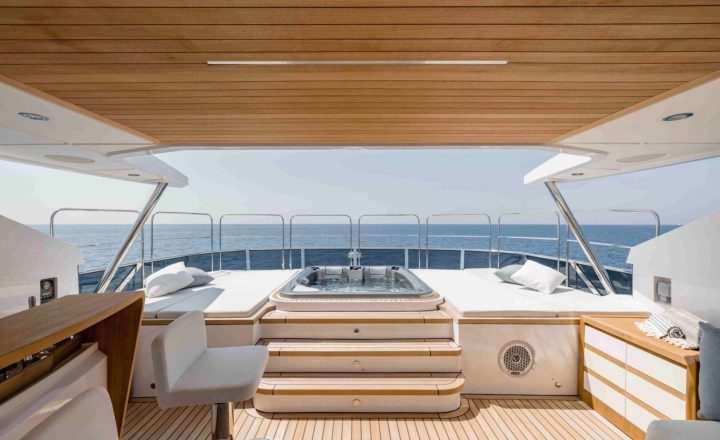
479, 293
231, 294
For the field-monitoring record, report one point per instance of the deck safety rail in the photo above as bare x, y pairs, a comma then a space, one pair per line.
515, 237
568, 240
103, 210
419, 240
462, 251
247, 251
153, 239
302, 250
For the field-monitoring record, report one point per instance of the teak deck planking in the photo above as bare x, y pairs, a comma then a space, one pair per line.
480, 417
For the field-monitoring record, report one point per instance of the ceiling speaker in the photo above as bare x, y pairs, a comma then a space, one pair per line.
516, 358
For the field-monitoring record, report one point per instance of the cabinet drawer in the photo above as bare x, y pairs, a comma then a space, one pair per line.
606, 343
610, 371
661, 370
654, 397
638, 416
605, 394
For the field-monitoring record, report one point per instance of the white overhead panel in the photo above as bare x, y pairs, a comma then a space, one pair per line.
680, 128
41, 130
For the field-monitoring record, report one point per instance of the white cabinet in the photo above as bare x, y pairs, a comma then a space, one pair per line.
633, 379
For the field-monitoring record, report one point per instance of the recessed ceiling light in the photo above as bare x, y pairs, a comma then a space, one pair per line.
134, 175
68, 159
577, 174
355, 62
641, 158
677, 117
33, 116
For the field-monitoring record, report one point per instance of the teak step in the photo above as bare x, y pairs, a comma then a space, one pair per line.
368, 392
426, 317
363, 356
279, 324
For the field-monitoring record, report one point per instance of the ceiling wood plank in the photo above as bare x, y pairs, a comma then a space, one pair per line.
378, 46
512, 57
323, 32
360, 16
516, 72
344, 3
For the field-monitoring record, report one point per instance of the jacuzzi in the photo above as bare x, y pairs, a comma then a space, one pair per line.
373, 281
355, 288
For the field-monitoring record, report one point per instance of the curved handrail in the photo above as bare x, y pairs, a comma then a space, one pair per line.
419, 240
125, 211
220, 236
557, 237
427, 234
652, 212
290, 247
152, 235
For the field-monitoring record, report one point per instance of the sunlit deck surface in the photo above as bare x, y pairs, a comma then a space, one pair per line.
486, 417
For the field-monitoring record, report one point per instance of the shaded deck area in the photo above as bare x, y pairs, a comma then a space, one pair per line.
481, 417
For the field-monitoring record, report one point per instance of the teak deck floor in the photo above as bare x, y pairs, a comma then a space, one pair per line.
483, 417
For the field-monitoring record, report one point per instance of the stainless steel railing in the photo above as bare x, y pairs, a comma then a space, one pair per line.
419, 240
103, 210
514, 237
568, 240
462, 254
153, 239
302, 253
247, 255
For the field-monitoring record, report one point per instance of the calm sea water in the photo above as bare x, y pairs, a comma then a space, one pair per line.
100, 242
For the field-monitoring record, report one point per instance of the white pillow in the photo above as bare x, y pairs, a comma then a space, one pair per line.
167, 280
538, 277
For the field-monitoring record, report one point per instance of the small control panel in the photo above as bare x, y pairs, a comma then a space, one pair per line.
48, 290
663, 290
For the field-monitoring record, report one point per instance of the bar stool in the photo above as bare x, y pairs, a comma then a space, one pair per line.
187, 372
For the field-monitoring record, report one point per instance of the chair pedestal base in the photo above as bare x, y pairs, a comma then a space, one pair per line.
223, 419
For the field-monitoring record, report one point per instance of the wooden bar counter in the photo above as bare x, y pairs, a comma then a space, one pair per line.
111, 320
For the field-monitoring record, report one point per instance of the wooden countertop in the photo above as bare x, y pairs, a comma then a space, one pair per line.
33, 330
624, 328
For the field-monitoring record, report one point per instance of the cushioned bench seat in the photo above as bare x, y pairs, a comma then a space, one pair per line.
479, 293
232, 294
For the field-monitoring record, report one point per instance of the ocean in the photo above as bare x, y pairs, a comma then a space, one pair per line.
100, 242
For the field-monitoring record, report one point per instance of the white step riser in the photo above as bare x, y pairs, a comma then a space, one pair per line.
366, 404
356, 331
366, 364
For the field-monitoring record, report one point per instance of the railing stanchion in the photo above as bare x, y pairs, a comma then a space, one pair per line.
134, 232
584, 244
428, 235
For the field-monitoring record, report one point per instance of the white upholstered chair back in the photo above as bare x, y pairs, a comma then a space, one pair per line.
177, 347
89, 416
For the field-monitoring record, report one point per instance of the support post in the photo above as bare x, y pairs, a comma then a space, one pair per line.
582, 241
112, 268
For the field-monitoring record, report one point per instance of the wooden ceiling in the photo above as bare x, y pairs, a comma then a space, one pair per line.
143, 64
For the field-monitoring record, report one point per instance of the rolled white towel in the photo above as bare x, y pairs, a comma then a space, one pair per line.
688, 323
674, 325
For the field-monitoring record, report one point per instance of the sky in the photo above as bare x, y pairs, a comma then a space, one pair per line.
356, 182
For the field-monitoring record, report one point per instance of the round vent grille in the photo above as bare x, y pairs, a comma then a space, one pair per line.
516, 358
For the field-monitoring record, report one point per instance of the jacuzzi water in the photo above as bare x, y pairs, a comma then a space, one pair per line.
372, 285
391, 281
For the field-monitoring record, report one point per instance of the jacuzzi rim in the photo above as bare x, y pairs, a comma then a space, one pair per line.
422, 289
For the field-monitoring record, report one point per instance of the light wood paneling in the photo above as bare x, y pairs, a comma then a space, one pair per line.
487, 418
571, 64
